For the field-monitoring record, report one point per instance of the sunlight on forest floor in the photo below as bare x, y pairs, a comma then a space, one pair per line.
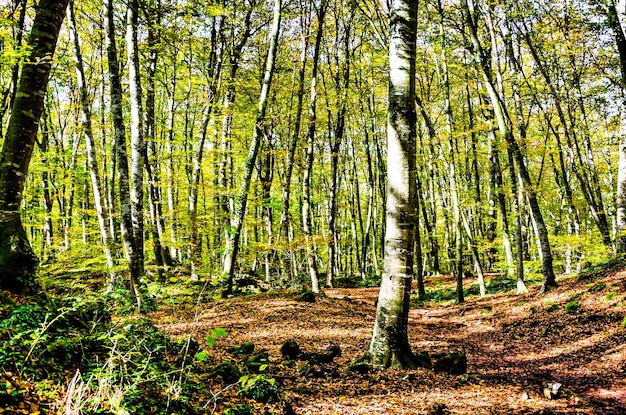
514, 345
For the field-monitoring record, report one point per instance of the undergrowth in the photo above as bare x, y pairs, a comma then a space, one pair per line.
121, 365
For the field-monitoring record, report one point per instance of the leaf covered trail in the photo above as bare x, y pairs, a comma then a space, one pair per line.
514, 344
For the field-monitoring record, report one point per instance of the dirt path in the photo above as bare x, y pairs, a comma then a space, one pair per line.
515, 344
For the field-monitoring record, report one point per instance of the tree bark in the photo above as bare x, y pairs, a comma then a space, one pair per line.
617, 22
137, 144
17, 259
285, 216
92, 162
234, 236
115, 88
545, 252
389, 345
307, 223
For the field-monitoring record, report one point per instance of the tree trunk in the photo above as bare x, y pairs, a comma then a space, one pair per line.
137, 144
17, 259
307, 224
48, 232
214, 71
617, 22
92, 162
389, 345
285, 216
115, 88
335, 145
233, 238
545, 252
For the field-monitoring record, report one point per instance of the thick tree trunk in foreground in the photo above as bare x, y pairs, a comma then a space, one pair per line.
617, 22
17, 259
389, 345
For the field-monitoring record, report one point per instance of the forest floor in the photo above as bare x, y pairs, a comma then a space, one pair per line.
515, 345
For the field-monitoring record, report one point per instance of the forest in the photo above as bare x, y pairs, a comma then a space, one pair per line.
312, 207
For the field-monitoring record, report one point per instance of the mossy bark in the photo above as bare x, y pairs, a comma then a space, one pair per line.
17, 259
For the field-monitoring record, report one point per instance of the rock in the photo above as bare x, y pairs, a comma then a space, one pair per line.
318, 371
334, 350
360, 365
454, 363
325, 356
242, 349
228, 371
287, 409
308, 297
290, 350
423, 359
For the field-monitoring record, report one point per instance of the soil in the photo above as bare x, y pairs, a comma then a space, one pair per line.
516, 345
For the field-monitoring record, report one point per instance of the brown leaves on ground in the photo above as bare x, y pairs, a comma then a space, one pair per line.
515, 344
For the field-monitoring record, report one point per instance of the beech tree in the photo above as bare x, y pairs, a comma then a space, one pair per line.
233, 238
389, 345
17, 259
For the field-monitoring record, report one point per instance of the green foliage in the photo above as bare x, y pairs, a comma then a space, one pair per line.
227, 370
499, 283
257, 363
211, 338
308, 297
624, 322
550, 306
121, 367
611, 296
260, 388
45, 332
596, 287
572, 307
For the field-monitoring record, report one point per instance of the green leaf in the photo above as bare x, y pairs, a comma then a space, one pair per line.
219, 332
210, 340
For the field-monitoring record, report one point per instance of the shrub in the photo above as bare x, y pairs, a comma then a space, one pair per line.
260, 388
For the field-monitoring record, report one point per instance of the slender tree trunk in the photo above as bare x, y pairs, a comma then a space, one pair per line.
115, 88
17, 259
617, 22
452, 163
549, 279
137, 143
92, 162
48, 228
233, 238
157, 226
335, 146
285, 216
587, 185
9, 93
214, 68
389, 345
307, 224
170, 172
